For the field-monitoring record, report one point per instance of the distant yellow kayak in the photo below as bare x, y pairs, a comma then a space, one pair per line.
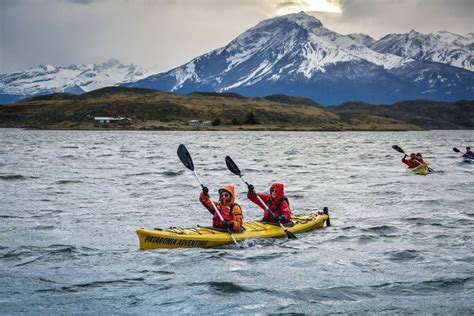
421, 170
207, 237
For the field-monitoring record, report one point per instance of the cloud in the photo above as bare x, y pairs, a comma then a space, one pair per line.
293, 6
167, 33
84, 2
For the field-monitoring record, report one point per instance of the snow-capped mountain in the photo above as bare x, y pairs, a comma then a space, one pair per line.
296, 55
466, 41
442, 47
77, 79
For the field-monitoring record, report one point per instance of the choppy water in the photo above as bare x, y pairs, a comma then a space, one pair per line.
71, 201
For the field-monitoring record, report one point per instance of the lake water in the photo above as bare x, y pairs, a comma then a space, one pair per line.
72, 200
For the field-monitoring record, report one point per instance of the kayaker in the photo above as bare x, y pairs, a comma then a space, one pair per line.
419, 160
231, 212
410, 162
275, 201
469, 153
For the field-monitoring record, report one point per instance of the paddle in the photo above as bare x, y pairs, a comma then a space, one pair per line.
402, 152
187, 161
235, 170
458, 151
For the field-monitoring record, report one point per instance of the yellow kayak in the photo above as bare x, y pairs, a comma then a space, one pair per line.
207, 237
421, 170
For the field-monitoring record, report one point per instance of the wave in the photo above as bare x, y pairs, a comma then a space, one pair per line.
404, 255
96, 284
67, 181
381, 230
10, 177
25, 255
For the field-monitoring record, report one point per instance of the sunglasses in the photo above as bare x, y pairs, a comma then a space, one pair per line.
272, 190
224, 195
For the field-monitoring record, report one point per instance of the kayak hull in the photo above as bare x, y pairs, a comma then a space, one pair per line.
207, 237
468, 160
421, 170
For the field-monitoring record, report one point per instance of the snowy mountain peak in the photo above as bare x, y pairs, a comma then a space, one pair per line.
302, 18
441, 47
48, 78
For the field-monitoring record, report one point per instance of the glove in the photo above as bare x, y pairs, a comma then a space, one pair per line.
227, 225
251, 189
205, 190
282, 218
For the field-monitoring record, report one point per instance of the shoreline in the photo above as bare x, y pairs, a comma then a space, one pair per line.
236, 129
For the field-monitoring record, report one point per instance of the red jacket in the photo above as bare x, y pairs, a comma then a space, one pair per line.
411, 163
277, 207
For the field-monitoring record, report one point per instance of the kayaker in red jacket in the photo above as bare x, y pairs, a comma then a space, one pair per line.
411, 163
231, 212
275, 201
419, 160
469, 153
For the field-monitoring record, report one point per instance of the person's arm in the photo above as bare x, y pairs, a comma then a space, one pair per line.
252, 196
406, 161
204, 199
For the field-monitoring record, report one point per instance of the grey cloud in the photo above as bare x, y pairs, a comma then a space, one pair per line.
167, 33
81, 1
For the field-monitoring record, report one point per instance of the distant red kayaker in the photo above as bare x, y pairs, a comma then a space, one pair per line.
411, 163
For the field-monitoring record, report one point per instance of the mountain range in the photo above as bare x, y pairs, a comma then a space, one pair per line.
296, 55
77, 79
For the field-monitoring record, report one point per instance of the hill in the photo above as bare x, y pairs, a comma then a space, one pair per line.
423, 113
150, 109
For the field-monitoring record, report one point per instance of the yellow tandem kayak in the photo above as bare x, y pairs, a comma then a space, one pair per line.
207, 237
421, 170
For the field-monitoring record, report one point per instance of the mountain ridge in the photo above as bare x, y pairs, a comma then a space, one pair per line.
296, 55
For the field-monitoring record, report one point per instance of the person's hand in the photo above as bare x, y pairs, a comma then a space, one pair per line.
205, 190
227, 225
251, 188
282, 218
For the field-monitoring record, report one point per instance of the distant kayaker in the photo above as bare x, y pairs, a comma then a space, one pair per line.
469, 153
231, 212
411, 163
275, 201
419, 160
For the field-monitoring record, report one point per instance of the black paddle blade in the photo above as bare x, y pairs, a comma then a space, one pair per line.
398, 149
232, 166
290, 234
185, 157
456, 150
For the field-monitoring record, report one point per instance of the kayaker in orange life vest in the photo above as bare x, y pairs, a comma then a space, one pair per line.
411, 163
275, 201
231, 212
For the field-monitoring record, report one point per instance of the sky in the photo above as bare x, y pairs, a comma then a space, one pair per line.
159, 35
